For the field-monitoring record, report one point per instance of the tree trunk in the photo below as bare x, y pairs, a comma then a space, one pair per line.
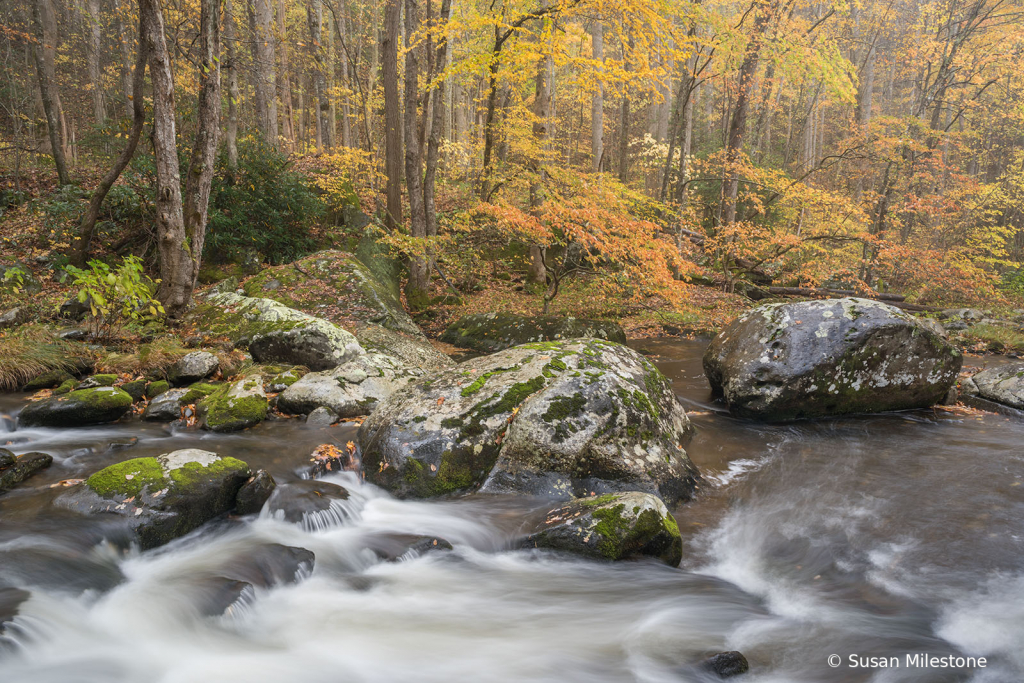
392, 113
437, 127
124, 40
261, 25
92, 53
416, 288
80, 249
284, 83
46, 33
597, 106
542, 120
231, 65
315, 20
624, 121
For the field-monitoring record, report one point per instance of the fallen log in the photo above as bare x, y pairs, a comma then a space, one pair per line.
826, 292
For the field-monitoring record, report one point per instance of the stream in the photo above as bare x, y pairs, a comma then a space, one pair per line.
870, 536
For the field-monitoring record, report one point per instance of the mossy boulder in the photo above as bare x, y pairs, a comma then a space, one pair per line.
193, 367
349, 390
100, 380
163, 497
491, 332
282, 379
65, 388
559, 419
614, 526
234, 407
831, 357
47, 380
1002, 384
414, 350
77, 408
338, 286
135, 388
273, 332
154, 389
13, 470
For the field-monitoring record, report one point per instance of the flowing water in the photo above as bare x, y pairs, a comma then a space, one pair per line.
873, 536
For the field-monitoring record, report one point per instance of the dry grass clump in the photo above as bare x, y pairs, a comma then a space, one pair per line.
31, 350
154, 358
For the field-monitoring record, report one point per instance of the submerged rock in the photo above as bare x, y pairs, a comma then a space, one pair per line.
614, 526
193, 367
273, 332
310, 502
13, 470
164, 497
321, 417
254, 493
235, 406
77, 409
555, 418
1002, 384
831, 357
349, 390
491, 332
726, 664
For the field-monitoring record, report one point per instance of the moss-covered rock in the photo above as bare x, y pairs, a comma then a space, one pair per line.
100, 380
13, 471
491, 332
235, 406
832, 357
558, 419
66, 387
273, 332
164, 497
47, 380
154, 389
77, 409
613, 526
136, 388
337, 285
349, 390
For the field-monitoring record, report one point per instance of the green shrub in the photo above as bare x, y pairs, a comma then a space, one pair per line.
115, 296
265, 206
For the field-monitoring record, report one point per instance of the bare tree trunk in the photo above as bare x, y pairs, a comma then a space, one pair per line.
231, 65
124, 40
284, 83
315, 20
624, 122
392, 113
46, 32
597, 106
346, 113
437, 127
542, 113
261, 25
80, 249
416, 288
181, 226
92, 52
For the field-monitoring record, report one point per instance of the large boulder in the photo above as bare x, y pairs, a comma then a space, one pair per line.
614, 526
235, 406
274, 332
336, 285
349, 390
77, 409
1002, 384
491, 332
831, 357
164, 497
193, 367
414, 350
557, 419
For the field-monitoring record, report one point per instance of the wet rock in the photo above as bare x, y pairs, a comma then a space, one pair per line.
73, 309
77, 409
968, 387
14, 317
491, 332
10, 601
402, 547
349, 390
234, 407
66, 387
337, 280
270, 565
284, 379
414, 351
22, 468
273, 332
614, 526
166, 406
830, 357
553, 418
254, 493
310, 502
726, 664
193, 367
218, 595
164, 497
7, 458
329, 459
47, 380
1002, 384
136, 389
321, 417
104, 380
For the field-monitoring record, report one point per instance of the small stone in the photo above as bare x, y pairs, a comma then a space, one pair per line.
136, 388
726, 664
321, 417
193, 367
14, 317
254, 493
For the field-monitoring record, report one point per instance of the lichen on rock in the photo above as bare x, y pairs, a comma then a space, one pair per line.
235, 406
491, 332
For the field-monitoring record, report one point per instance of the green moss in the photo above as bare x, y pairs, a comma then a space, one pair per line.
135, 388
154, 389
199, 391
562, 407
480, 381
598, 500
192, 473
611, 526
223, 412
128, 478
67, 387
420, 418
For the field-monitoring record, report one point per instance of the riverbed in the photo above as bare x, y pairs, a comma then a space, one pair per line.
874, 536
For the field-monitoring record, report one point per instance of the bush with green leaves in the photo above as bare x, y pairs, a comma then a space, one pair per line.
264, 206
115, 296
